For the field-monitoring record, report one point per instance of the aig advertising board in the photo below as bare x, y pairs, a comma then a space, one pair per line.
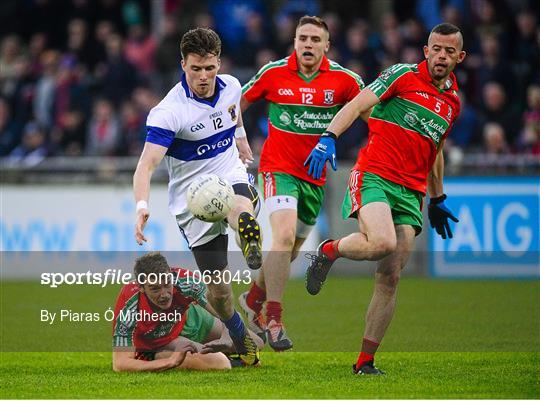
498, 231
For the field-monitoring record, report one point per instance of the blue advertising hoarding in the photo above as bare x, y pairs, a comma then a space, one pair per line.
498, 231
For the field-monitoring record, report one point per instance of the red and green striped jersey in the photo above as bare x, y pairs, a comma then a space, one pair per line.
301, 108
131, 329
408, 125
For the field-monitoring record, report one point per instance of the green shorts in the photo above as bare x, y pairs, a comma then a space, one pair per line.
198, 324
291, 192
364, 188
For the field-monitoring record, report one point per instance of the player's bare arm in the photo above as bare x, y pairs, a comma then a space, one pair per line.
438, 212
151, 156
124, 360
244, 150
244, 104
435, 177
361, 105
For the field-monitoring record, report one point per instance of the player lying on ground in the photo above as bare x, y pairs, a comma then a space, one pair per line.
163, 321
305, 91
194, 129
415, 106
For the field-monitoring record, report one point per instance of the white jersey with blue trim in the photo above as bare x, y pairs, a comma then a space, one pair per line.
199, 135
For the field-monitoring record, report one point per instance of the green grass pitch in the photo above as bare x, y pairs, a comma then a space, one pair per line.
448, 339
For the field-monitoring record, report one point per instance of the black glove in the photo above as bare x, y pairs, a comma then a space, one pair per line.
438, 215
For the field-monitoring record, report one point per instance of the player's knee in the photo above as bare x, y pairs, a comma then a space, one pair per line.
283, 239
388, 282
383, 246
220, 298
219, 362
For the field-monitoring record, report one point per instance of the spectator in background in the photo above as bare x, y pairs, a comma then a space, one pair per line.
357, 48
140, 49
493, 67
9, 131
69, 92
103, 31
284, 34
465, 126
414, 33
10, 53
68, 137
256, 38
496, 108
117, 76
167, 63
526, 52
495, 142
80, 45
44, 91
103, 136
529, 139
133, 129
33, 148
38, 44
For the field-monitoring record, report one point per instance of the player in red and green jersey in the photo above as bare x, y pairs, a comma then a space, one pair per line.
414, 107
305, 91
163, 321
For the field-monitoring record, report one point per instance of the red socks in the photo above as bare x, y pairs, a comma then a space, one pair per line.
273, 311
368, 351
256, 297
330, 249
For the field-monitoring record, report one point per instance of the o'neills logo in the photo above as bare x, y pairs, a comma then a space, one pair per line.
202, 149
308, 120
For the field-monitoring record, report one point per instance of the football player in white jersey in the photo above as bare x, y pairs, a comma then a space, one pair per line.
194, 129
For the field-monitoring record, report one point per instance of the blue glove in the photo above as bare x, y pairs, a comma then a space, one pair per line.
325, 150
438, 215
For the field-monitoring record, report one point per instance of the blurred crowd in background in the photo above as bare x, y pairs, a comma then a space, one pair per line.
78, 77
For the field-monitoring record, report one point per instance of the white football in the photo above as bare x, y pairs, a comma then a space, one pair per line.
210, 198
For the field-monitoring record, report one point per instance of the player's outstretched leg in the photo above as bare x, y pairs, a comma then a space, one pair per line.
249, 232
320, 265
256, 321
244, 344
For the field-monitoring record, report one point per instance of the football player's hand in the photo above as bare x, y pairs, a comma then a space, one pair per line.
244, 150
325, 150
438, 215
142, 218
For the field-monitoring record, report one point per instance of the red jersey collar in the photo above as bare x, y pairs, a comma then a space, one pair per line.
293, 63
451, 82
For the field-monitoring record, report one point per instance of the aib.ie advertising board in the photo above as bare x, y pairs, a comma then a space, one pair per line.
498, 233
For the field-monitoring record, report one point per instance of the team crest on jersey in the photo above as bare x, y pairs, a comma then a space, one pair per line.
329, 96
232, 112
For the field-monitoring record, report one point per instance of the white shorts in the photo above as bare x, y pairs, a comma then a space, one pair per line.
198, 232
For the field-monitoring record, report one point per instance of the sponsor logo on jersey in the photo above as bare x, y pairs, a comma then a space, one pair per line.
202, 149
232, 112
328, 96
196, 127
309, 120
285, 92
285, 118
411, 118
308, 90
